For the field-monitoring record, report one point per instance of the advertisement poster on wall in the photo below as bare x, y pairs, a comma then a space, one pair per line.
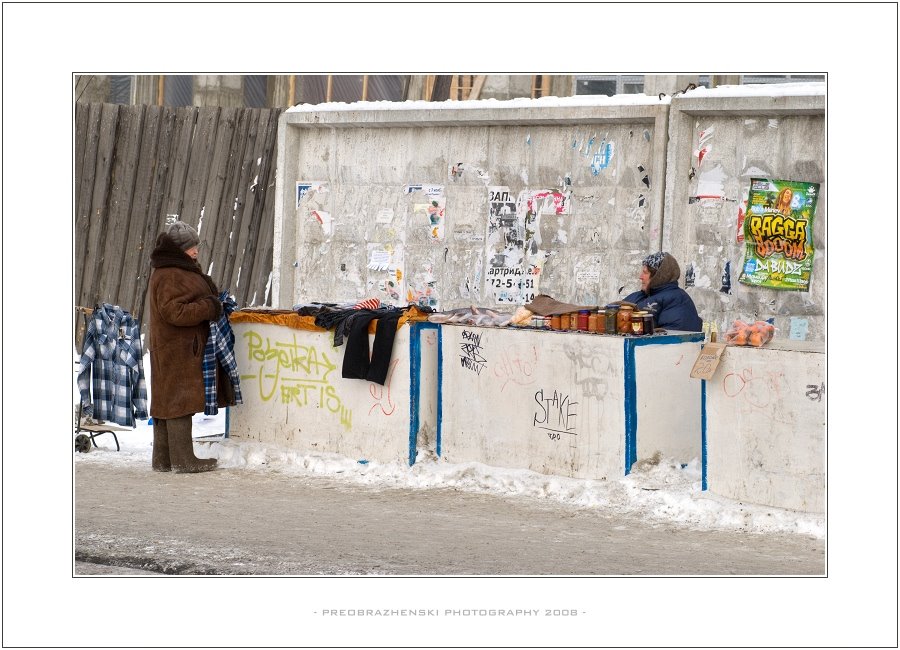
778, 229
505, 247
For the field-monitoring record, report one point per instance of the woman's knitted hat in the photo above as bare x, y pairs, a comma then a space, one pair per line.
663, 269
183, 235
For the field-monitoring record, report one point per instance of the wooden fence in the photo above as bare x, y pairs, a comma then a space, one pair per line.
137, 166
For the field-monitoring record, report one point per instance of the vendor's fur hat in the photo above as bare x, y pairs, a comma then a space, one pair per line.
663, 269
183, 235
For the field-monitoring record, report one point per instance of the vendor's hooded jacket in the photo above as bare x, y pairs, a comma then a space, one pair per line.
182, 302
671, 306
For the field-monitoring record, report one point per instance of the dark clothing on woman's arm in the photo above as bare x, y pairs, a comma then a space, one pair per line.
671, 306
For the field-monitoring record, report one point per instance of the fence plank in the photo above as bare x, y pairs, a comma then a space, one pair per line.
93, 250
263, 222
85, 198
116, 263
156, 209
82, 116
243, 142
218, 219
179, 161
136, 249
202, 147
245, 202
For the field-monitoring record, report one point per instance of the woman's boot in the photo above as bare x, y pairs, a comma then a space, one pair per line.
181, 448
161, 461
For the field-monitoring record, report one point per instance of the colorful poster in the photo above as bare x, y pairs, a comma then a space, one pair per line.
433, 212
778, 231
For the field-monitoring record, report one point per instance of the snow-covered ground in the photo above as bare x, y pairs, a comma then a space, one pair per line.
659, 490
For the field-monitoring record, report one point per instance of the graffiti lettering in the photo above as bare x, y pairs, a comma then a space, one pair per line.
516, 364
556, 412
755, 391
814, 393
775, 233
381, 392
298, 373
291, 356
471, 357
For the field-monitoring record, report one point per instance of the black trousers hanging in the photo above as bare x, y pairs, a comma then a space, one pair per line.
357, 361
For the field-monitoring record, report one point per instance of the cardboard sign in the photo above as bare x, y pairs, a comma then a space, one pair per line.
708, 360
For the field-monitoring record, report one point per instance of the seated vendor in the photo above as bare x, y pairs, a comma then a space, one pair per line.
671, 306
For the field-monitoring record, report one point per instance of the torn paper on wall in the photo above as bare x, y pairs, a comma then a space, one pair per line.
505, 247
305, 187
711, 184
602, 158
324, 218
422, 288
385, 273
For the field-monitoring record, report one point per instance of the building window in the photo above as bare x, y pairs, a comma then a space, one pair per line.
780, 78
346, 88
317, 89
179, 90
311, 89
386, 87
255, 91
540, 86
609, 84
120, 89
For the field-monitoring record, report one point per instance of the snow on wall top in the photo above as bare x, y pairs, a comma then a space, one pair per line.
542, 102
760, 90
746, 90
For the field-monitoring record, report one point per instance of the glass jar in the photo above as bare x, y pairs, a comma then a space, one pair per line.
563, 321
623, 319
573, 321
555, 322
583, 316
609, 319
594, 322
637, 323
649, 327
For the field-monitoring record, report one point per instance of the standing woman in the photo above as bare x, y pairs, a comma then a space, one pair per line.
182, 302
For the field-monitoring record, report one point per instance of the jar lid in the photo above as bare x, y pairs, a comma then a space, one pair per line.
626, 307
584, 311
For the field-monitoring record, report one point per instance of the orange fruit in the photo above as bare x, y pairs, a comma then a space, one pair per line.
740, 338
756, 339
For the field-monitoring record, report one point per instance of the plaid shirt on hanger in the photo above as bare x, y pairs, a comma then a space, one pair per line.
111, 371
220, 350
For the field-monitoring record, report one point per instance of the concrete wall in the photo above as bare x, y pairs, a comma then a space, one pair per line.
778, 133
361, 161
360, 232
566, 403
766, 426
668, 405
294, 395
219, 90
